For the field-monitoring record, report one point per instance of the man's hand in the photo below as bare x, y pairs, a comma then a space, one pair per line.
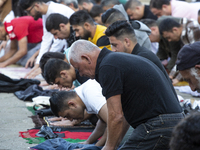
116, 122
85, 142
56, 119
30, 62
36, 70
175, 81
2, 65
62, 122
64, 89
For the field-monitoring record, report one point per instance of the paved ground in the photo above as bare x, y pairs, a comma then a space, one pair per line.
14, 118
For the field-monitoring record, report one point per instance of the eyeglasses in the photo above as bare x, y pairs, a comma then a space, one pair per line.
29, 11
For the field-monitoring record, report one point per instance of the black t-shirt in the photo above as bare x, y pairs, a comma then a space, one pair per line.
142, 51
72, 37
145, 91
79, 78
102, 41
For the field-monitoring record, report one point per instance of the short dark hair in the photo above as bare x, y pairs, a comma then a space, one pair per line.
46, 56
80, 17
80, 2
54, 20
132, 4
186, 134
112, 15
199, 12
167, 25
121, 28
24, 4
96, 11
158, 3
58, 101
52, 69
149, 22
109, 2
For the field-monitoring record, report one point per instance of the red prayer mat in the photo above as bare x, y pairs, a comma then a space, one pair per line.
72, 135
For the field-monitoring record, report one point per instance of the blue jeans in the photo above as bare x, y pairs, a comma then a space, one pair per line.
61, 144
154, 134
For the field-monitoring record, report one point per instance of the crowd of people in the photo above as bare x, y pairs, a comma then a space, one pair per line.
117, 59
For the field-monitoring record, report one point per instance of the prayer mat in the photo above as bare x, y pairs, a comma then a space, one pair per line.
38, 121
84, 124
73, 134
182, 83
73, 137
17, 72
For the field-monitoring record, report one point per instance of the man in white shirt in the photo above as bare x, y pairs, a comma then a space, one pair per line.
72, 104
38, 8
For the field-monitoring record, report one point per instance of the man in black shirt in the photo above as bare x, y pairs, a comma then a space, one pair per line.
122, 38
137, 93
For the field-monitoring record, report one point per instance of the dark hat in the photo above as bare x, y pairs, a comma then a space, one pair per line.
188, 56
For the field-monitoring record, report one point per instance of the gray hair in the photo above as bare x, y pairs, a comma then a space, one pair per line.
109, 2
81, 47
193, 72
68, 2
132, 4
